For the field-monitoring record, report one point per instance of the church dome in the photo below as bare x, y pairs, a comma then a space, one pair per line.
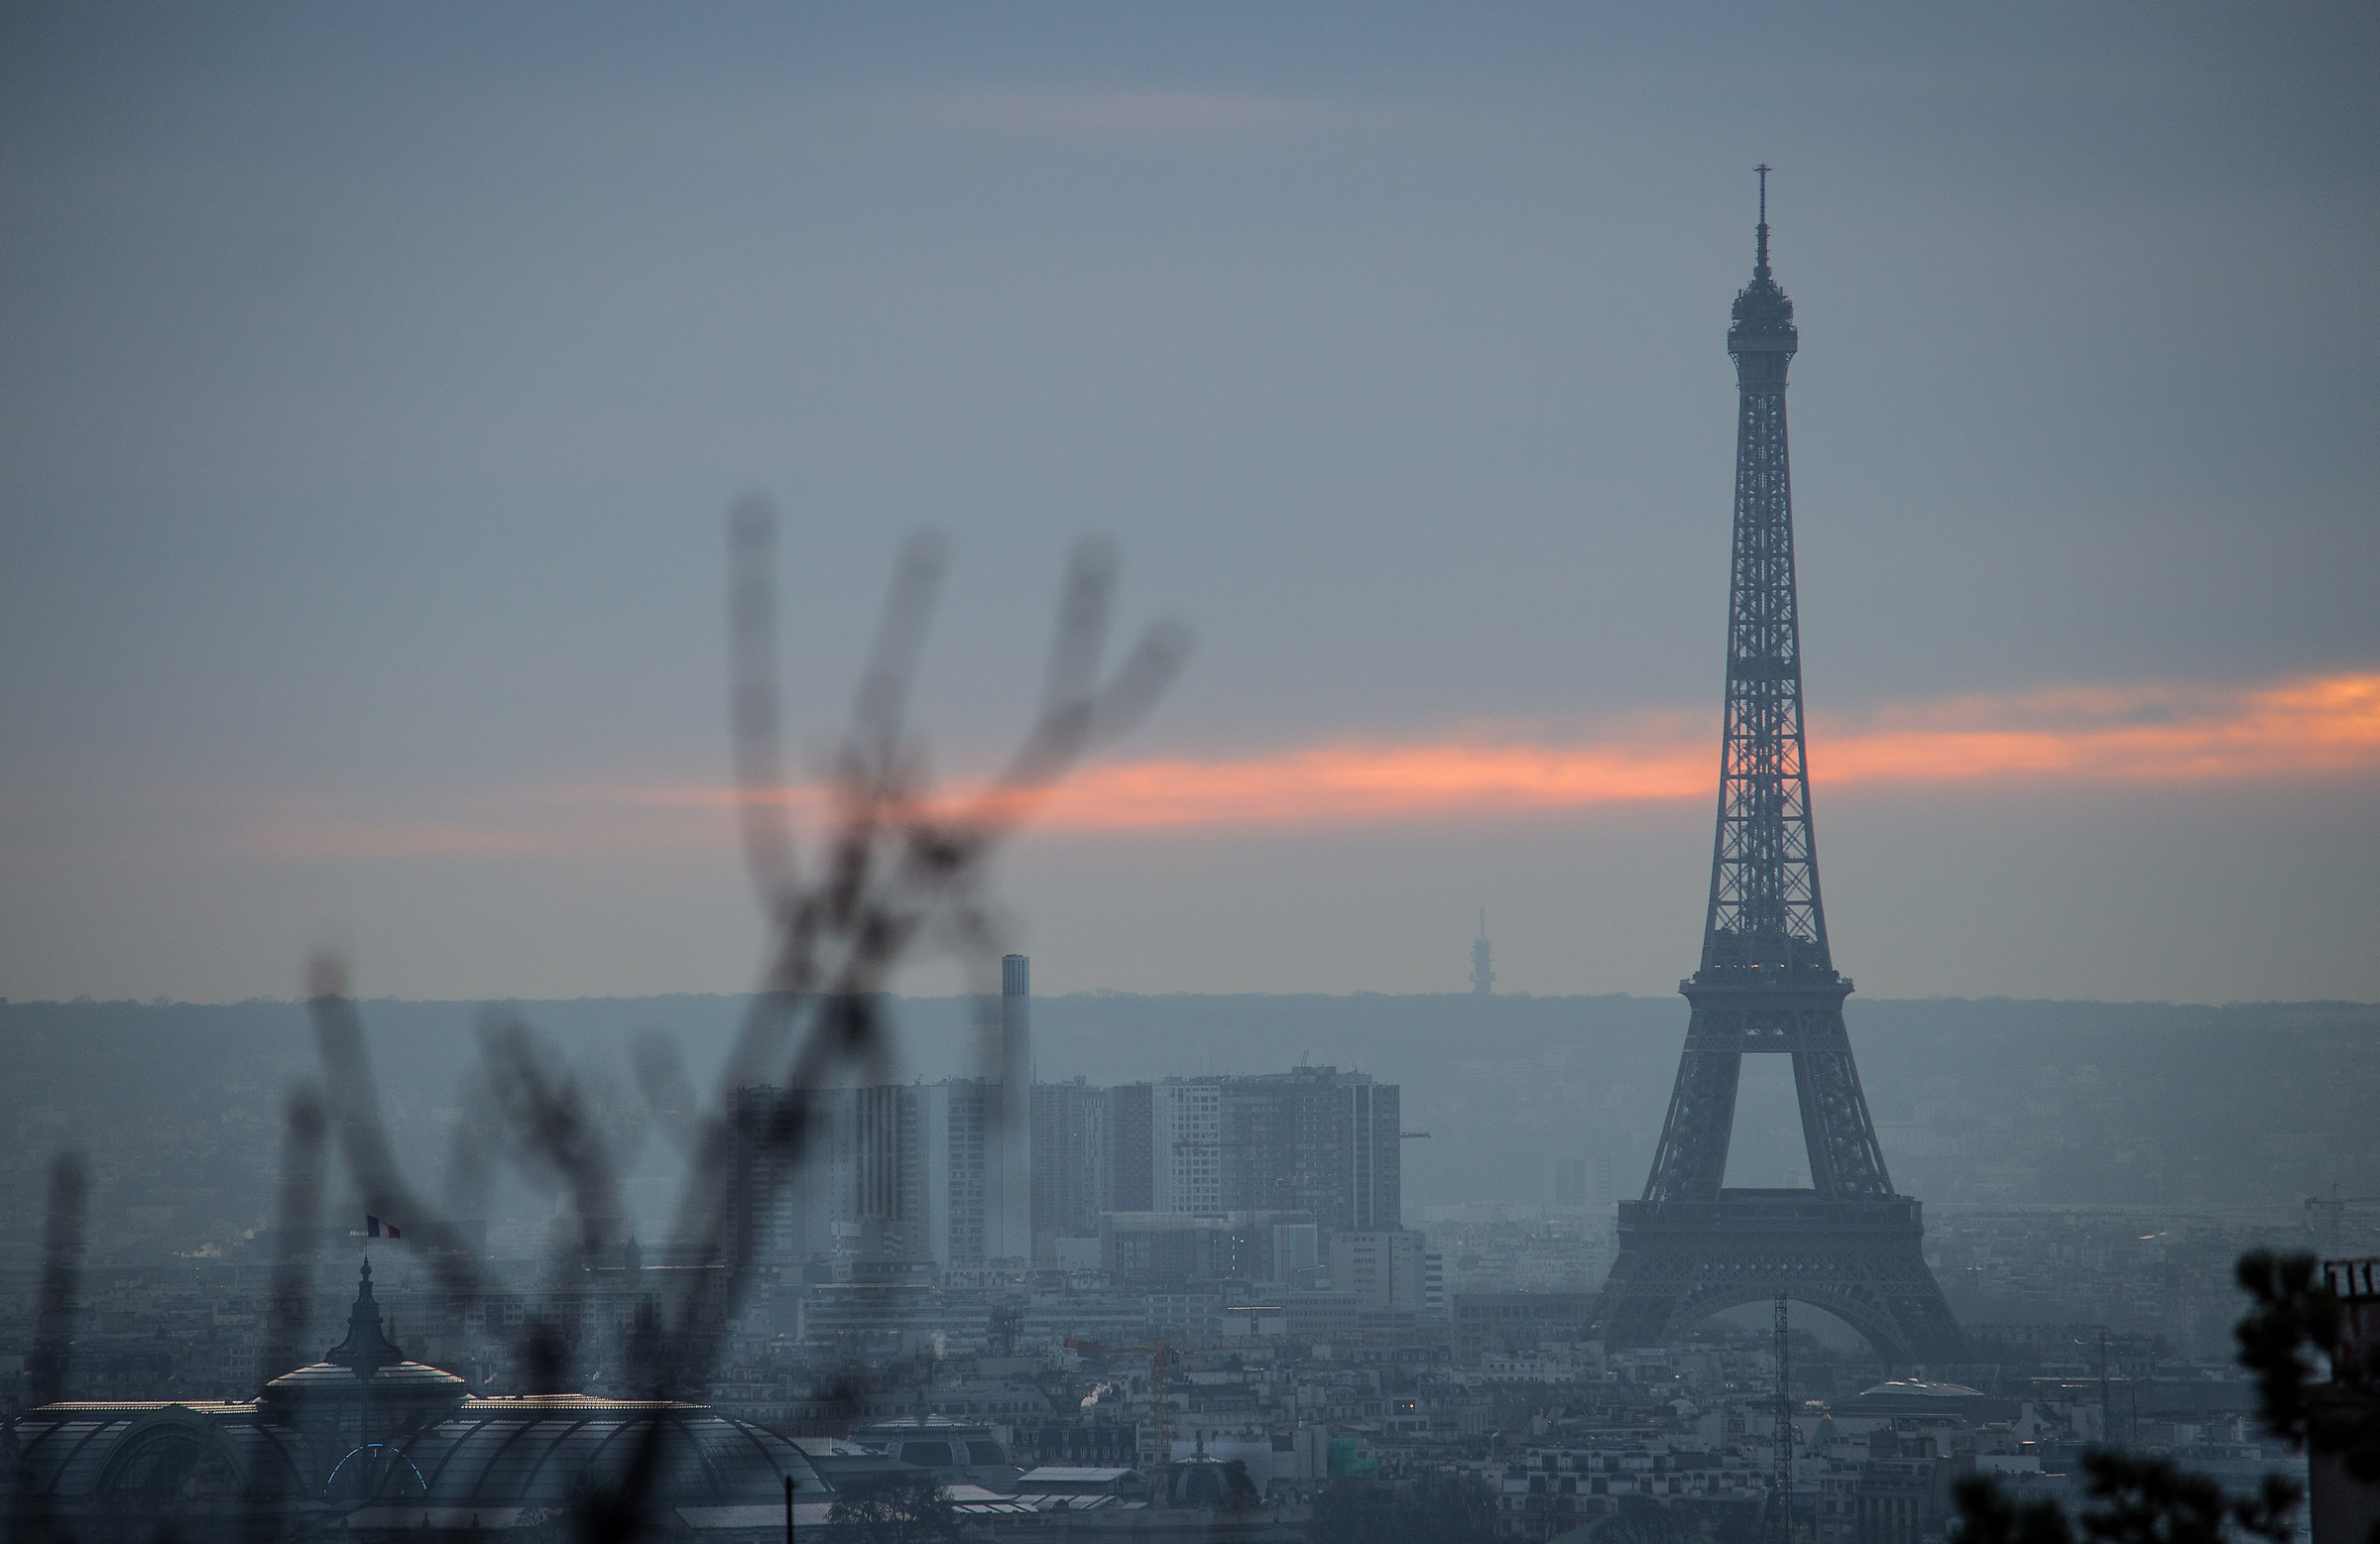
364, 1370
370, 1435
327, 1379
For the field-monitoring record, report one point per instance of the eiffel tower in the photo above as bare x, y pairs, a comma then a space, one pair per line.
1767, 984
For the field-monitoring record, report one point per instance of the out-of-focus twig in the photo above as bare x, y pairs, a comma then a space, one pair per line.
670, 1096
893, 870
295, 1225
897, 872
553, 1128
31, 1514
61, 1278
352, 1098
289, 1316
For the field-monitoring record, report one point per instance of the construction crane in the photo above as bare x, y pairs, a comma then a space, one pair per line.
1781, 1487
1160, 1356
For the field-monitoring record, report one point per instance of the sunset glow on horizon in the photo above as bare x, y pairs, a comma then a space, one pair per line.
2313, 726
2310, 727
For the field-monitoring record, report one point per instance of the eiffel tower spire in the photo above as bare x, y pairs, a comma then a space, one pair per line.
1767, 982
1765, 912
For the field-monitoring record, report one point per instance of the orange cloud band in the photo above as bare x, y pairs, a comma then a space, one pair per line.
2310, 727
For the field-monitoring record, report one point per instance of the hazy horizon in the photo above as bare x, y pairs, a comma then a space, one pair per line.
2094, 1100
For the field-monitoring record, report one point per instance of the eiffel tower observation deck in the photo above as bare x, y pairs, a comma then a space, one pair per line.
1767, 982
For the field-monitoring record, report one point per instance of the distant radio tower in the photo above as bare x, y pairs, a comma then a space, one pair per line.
1483, 974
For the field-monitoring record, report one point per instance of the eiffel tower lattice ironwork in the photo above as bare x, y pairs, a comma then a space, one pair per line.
1767, 982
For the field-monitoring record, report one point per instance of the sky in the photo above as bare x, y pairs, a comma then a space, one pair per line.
374, 382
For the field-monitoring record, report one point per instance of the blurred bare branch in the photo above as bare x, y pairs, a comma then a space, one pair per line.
473, 1144
669, 1095
295, 1223
353, 1101
289, 1319
754, 698
61, 1278
896, 874
553, 1130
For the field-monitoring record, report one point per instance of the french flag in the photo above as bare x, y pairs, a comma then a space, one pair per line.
374, 1228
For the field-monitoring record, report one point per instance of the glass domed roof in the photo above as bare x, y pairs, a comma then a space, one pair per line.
549, 1449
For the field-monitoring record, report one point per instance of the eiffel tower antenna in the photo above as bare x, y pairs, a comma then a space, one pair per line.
1760, 243
1767, 982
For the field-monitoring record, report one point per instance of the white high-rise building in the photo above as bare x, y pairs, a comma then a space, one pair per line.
946, 1169
1386, 1269
1186, 1146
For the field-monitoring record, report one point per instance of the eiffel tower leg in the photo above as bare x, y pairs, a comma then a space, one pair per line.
1640, 1298
1692, 1160
1910, 1294
1845, 1157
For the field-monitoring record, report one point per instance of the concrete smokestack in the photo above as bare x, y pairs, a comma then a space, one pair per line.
1016, 1196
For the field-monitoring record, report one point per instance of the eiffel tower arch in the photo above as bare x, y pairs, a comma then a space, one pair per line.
1767, 982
